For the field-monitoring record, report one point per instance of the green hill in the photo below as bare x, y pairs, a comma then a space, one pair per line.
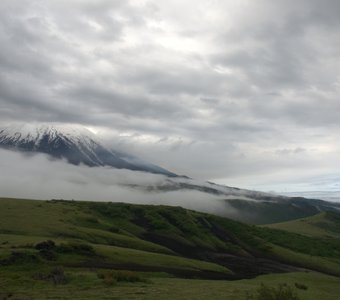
274, 209
87, 238
322, 225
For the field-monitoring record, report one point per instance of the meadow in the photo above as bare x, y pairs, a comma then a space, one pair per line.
76, 250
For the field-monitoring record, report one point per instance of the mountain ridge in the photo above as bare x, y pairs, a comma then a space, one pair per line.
75, 144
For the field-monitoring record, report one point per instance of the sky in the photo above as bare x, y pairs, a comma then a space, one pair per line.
243, 93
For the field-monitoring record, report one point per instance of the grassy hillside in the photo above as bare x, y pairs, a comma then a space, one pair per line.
322, 225
273, 209
243, 250
71, 241
25, 223
86, 285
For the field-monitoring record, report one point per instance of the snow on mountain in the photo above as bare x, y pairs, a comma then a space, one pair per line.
78, 145
74, 143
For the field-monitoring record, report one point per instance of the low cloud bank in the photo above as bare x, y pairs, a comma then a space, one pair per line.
39, 177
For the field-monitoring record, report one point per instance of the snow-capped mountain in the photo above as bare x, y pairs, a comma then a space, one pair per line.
74, 143
80, 146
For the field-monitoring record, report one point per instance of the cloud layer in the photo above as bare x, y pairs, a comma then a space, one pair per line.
235, 91
38, 177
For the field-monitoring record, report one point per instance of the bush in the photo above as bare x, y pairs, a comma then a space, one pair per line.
281, 292
56, 276
107, 278
301, 286
20, 258
45, 245
76, 248
114, 276
114, 229
47, 254
46, 249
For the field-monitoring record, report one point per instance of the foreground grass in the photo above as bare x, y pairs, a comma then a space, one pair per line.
163, 242
87, 285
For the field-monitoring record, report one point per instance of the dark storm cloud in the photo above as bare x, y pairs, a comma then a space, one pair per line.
205, 88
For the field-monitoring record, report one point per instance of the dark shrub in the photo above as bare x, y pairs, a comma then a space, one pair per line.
45, 245
19, 258
47, 254
114, 229
301, 286
46, 249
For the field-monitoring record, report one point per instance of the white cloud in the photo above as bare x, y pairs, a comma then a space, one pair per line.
203, 88
37, 177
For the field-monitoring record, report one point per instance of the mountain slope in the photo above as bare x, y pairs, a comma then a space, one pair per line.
324, 225
158, 235
74, 143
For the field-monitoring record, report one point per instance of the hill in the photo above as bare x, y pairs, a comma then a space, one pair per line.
80, 243
268, 209
322, 225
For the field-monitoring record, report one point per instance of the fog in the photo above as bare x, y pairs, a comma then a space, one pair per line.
38, 177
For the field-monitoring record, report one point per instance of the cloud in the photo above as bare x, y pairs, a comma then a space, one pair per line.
204, 88
39, 177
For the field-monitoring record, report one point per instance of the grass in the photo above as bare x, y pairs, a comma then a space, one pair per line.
67, 222
322, 225
323, 247
87, 285
174, 231
58, 220
157, 244
321, 264
131, 256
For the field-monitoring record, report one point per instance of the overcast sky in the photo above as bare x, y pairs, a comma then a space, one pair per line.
244, 93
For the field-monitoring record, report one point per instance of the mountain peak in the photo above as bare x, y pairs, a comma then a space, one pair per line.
74, 143
34, 131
